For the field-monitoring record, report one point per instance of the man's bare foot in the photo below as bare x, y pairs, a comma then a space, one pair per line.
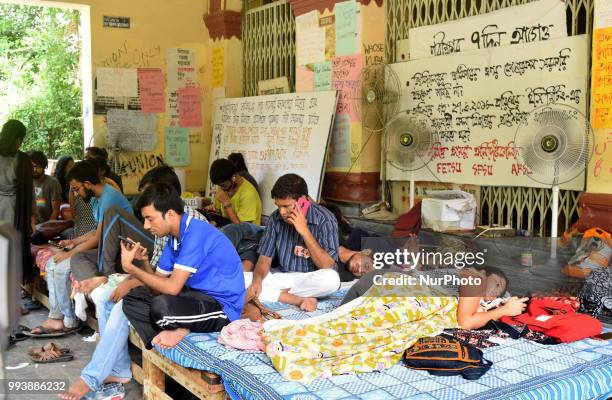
88, 285
116, 379
309, 304
170, 338
76, 391
50, 324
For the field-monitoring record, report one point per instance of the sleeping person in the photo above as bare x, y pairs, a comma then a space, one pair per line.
382, 315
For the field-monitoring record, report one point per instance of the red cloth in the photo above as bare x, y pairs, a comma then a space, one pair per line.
409, 223
572, 301
557, 320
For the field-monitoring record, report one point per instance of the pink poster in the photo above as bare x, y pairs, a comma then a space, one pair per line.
346, 71
304, 79
151, 81
190, 107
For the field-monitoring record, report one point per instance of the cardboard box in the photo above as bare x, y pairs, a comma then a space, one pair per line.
448, 210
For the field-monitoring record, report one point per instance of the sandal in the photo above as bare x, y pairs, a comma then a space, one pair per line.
48, 347
46, 332
50, 353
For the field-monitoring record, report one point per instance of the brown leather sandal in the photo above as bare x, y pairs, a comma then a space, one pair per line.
50, 353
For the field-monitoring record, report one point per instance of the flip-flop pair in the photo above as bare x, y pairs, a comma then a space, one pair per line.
50, 353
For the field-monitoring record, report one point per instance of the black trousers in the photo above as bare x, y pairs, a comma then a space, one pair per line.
190, 309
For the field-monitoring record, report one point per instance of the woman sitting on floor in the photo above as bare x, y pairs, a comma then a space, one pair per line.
381, 316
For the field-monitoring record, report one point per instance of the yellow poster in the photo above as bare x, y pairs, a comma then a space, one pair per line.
602, 78
599, 178
218, 66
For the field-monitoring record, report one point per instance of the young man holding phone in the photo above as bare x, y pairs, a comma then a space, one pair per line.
236, 198
199, 277
84, 181
301, 240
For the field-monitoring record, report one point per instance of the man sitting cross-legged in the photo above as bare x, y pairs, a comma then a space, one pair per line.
303, 240
199, 276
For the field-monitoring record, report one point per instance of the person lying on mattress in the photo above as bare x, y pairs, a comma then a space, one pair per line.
382, 315
301, 240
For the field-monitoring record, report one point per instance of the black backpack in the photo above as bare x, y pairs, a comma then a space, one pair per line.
443, 355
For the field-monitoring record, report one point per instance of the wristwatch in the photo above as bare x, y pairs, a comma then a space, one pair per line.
227, 205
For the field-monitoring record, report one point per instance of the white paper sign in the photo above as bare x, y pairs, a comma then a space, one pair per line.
132, 130
117, 82
310, 39
276, 134
181, 68
603, 14
538, 21
476, 100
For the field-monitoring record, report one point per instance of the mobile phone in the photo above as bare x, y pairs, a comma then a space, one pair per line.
303, 204
56, 244
129, 242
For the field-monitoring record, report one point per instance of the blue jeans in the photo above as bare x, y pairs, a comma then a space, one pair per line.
111, 356
236, 232
58, 283
100, 297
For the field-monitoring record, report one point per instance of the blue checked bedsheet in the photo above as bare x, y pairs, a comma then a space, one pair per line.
522, 370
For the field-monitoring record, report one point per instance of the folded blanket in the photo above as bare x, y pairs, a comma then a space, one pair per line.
243, 334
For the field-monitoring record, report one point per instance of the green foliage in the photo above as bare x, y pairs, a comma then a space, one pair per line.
40, 78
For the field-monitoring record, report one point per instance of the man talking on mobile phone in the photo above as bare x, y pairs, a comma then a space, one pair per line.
301, 241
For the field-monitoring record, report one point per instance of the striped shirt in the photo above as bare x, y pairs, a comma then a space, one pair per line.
160, 241
280, 239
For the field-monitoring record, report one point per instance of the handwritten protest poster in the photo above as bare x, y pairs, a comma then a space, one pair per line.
277, 134
310, 39
218, 66
322, 76
602, 78
602, 14
346, 27
151, 82
328, 22
190, 107
273, 86
346, 71
304, 79
476, 101
115, 82
177, 147
132, 130
341, 142
172, 113
181, 68
599, 176
540, 20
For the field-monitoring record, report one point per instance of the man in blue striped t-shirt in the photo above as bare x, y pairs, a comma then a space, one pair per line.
301, 240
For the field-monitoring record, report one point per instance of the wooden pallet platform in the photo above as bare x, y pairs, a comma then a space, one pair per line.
155, 367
